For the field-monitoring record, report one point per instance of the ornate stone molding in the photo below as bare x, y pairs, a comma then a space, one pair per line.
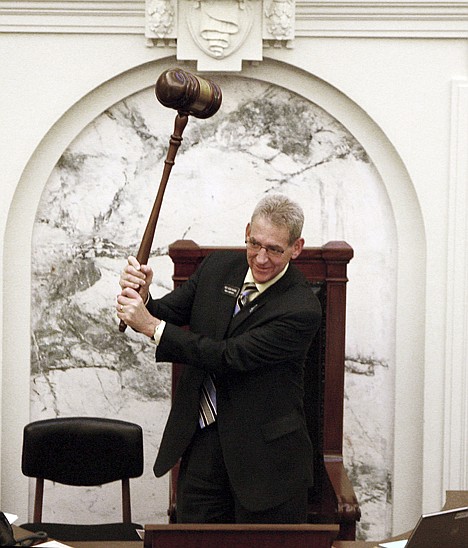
456, 377
161, 19
73, 16
362, 18
220, 34
279, 21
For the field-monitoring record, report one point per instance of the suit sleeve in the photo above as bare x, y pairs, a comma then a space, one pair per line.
176, 306
274, 339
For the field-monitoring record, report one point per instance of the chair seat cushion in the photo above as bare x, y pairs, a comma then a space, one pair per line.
101, 532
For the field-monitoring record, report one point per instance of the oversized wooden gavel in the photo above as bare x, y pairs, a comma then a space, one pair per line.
189, 95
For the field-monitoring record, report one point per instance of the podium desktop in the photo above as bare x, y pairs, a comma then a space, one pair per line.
454, 499
240, 536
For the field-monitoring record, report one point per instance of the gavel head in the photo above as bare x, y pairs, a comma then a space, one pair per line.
188, 94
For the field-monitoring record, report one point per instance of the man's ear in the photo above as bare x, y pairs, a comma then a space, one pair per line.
247, 231
297, 247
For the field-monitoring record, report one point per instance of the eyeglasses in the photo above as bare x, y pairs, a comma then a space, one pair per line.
256, 247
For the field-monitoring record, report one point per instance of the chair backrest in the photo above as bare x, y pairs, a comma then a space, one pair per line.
332, 500
82, 451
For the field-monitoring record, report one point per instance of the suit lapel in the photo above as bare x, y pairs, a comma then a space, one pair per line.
227, 300
270, 294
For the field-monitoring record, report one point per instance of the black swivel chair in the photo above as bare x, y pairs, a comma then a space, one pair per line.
83, 451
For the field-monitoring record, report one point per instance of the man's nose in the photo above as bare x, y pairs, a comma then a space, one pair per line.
262, 256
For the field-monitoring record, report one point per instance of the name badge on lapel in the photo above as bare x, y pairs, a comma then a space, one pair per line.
231, 290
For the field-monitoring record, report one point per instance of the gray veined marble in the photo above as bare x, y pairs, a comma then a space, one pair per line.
92, 215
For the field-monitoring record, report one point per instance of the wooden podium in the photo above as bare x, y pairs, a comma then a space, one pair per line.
240, 536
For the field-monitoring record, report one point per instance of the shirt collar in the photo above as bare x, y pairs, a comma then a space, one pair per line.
263, 287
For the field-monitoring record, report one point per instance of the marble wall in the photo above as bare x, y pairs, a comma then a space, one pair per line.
92, 215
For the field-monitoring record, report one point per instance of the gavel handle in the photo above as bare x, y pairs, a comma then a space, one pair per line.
147, 240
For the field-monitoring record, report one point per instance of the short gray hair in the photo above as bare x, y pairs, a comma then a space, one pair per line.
281, 211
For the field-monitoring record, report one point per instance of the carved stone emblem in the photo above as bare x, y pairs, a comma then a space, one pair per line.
220, 34
220, 27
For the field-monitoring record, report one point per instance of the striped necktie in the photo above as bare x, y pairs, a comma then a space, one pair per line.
207, 407
244, 296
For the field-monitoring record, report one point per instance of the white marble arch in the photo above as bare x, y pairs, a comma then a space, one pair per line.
410, 258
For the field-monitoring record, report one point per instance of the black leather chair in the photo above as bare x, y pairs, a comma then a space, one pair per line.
83, 451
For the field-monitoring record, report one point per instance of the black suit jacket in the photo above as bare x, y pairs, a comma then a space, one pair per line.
258, 359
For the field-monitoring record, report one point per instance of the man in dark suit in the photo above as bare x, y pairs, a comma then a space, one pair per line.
237, 420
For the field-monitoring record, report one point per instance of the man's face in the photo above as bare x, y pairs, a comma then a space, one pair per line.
265, 264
